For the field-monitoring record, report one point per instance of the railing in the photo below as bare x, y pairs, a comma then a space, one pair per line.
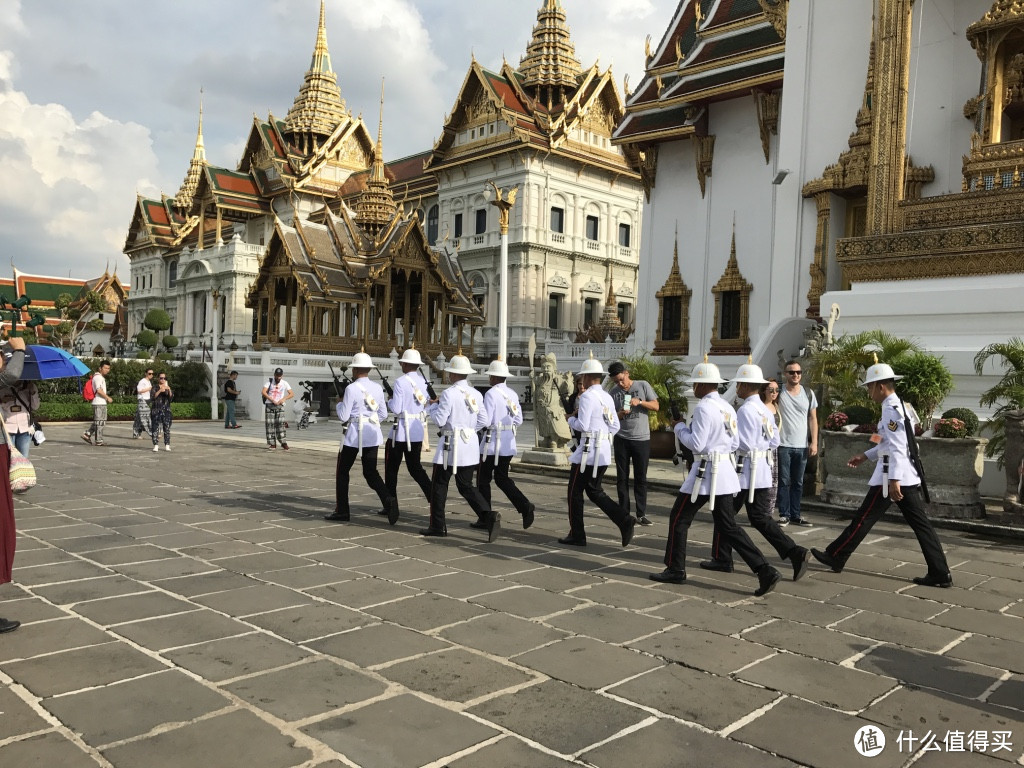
558, 237
479, 239
593, 245
605, 351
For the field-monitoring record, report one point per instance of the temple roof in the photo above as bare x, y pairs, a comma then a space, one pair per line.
733, 49
195, 168
550, 60
375, 208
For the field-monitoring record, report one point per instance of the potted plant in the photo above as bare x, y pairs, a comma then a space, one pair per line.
665, 378
953, 459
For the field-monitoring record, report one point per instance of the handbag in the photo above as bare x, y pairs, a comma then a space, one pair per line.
23, 474
38, 438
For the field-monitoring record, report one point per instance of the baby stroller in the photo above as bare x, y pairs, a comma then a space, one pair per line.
305, 409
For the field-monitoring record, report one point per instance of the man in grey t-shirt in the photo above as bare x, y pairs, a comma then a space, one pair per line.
799, 410
633, 400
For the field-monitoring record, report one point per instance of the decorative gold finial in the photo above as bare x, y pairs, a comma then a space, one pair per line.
705, 357
591, 354
460, 351
362, 348
413, 345
750, 359
875, 355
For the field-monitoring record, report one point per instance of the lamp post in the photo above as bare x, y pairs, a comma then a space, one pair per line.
213, 355
504, 205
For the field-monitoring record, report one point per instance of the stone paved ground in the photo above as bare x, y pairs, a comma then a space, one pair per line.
192, 608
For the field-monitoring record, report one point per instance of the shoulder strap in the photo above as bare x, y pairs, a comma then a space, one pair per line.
915, 456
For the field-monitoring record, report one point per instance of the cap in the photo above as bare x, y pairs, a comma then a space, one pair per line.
279, 371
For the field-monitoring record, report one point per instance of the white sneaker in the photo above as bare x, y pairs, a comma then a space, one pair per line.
167, 448
156, 448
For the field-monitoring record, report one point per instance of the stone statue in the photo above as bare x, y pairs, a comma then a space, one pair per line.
549, 389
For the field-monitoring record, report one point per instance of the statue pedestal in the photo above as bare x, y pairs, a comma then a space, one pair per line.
548, 457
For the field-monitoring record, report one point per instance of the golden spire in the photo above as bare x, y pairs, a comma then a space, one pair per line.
376, 208
875, 356
319, 108
550, 62
705, 357
195, 167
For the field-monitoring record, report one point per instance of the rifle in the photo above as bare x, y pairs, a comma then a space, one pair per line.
430, 387
386, 384
683, 454
915, 454
339, 384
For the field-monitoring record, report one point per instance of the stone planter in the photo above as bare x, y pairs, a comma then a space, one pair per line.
953, 469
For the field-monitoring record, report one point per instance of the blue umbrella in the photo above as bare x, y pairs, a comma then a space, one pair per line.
43, 363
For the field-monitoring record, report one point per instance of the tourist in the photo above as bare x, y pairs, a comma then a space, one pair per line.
142, 414
160, 413
275, 395
799, 409
12, 362
632, 443
100, 400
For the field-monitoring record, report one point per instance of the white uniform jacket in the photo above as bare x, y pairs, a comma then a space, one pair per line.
459, 413
597, 423
363, 408
501, 404
757, 436
894, 446
712, 436
409, 405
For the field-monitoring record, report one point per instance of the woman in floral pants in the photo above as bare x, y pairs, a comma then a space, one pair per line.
160, 413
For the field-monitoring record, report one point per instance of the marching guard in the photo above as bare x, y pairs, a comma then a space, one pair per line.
713, 437
363, 409
757, 437
596, 421
409, 435
459, 413
498, 444
897, 477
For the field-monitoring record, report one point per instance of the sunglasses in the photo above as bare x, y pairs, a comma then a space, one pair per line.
793, 373
771, 390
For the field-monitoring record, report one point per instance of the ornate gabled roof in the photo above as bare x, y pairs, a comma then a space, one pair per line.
319, 107
154, 223
1003, 13
375, 210
183, 199
550, 68
711, 51
231, 190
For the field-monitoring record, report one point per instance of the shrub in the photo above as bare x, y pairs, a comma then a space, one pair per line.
1007, 393
926, 382
950, 428
157, 320
835, 421
146, 339
50, 411
861, 414
866, 429
967, 416
169, 342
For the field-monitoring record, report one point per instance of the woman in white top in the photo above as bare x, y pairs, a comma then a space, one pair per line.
18, 401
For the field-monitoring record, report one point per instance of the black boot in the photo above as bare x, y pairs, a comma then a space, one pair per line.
767, 578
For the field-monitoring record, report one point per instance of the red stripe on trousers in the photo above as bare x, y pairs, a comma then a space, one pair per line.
860, 522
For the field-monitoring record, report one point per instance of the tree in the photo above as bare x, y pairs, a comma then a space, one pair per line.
169, 342
146, 339
1008, 392
77, 316
157, 320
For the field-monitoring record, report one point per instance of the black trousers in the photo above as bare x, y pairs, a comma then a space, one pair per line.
499, 470
873, 507
580, 482
346, 458
393, 455
759, 512
637, 452
680, 518
467, 488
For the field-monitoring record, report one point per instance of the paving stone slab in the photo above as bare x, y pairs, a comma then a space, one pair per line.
929, 670
799, 609
832, 744
170, 568
91, 545
298, 544
309, 622
43, 555
982, 623
134, 553
378, 644
703, 650
502, 635
252, 742
666, 744
72, 529
228, 658
1009, 694
49, 636
493, 564
561, 717
899, 631
622, 595
417, 733
1004, 654
711, 617
59, 573
182, 629
206, 583
554, 579
1014, 571
28, 609
45, 751
966, 759
363, 592
890, 603
255, 599
425, 612
118, 610
818, 681
308, 576
73, 592
354, 557
307, 689
17, 718
817, 642
165, 697
258, 563
461, 585
457, 675
587, 663
528, 602
224, 548
697, 697
968, 598
74, 670
611, 625
510, 752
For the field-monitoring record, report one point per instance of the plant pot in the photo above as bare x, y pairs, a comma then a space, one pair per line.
663, 444
953, 469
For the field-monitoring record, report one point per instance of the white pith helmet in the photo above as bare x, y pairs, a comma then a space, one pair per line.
499, 369
879, 372
749, 374
591, 366
459, 364
706, 373
361, 360
411, 356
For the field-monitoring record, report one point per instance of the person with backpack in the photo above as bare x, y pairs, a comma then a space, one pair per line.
95, 392
275, 394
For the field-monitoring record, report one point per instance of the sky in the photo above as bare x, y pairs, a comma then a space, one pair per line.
99, 99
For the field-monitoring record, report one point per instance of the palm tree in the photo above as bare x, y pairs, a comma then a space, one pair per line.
1008, 392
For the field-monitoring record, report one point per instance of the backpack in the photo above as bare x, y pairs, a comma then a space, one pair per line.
88, 391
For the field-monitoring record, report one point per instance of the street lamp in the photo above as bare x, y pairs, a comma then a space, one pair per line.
504, 205
213, 356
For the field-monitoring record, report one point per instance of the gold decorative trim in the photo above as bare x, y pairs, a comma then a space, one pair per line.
704, 155
732, 280
648, 168
776, 12
674, 287
818, 267
767, 104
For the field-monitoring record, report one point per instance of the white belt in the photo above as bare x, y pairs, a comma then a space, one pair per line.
493, 438
452, 438
406, 418
357, 422
592, 444
755, 456
702, 460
